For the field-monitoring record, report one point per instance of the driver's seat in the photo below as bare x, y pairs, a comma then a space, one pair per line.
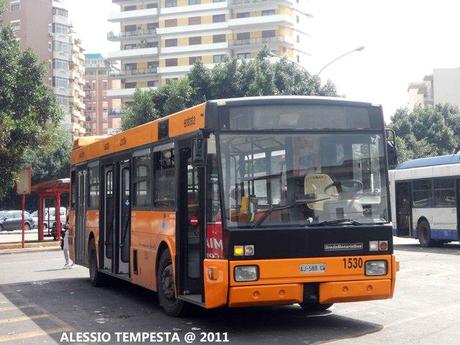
316, 184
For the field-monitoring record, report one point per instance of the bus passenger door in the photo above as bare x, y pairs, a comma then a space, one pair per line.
190, 231
108, 217
403, 209
80, 233
124, 217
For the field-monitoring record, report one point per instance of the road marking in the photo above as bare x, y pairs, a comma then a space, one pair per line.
33, 334
23, 318
18, 307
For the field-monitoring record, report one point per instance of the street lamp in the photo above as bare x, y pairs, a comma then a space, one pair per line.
339, 57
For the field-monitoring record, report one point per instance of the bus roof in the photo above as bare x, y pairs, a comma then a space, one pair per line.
430, 161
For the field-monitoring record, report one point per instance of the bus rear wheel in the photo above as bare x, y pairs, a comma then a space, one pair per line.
97, 278
167, 288
312, 307
424, 234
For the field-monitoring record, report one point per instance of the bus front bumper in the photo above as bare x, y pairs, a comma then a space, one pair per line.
329, 292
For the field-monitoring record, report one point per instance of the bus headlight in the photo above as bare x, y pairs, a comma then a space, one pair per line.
376, 268
246, 273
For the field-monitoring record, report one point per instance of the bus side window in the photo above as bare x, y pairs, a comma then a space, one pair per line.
142, 189
164, 178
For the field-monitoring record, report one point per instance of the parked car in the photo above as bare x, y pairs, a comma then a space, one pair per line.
49, 219
12, 220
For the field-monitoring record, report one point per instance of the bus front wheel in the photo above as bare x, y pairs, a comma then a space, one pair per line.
312, 307
167, 287
97, 278
424, 234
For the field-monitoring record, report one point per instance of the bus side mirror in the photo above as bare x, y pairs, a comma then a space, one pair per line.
199, 152
392, 152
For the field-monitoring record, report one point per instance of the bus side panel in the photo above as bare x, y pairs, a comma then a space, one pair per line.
215, 283
92, 226
148, 230
72, 226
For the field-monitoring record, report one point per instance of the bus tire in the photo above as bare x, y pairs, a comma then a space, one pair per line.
312, 307
424, 234
96, 278
167, 287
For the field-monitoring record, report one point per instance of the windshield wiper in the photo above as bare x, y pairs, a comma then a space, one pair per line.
346, 221
284, 207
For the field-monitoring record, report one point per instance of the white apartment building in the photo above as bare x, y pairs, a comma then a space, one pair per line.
161, 39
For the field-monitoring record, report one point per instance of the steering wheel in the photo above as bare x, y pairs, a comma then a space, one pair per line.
345, 186
351, 185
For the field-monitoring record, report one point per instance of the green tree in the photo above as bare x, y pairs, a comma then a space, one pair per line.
426, 131
232, 78
28, 109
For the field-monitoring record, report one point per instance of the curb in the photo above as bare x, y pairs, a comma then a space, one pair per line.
15, 248
28, 250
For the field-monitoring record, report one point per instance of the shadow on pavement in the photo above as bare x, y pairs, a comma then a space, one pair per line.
73, 304
449, 248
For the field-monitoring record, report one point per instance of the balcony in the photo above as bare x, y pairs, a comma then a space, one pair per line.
257, 3
195, 48
257, 42
132, 53
125, 93
260, 21
133, 73
193, 28
115, 113
61, 20
147, 13
112, 36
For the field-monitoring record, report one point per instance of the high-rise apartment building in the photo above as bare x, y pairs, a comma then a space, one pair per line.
103, 115
44, 27
162, 39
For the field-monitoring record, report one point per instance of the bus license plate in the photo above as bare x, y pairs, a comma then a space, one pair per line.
312, 268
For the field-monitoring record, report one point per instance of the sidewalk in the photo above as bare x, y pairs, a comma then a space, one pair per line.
30, 246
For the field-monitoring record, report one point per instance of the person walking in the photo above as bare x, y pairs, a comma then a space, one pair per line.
65, 245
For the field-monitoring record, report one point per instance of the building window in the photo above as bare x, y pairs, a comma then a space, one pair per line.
243, 15
194, 2
15, 25
268, 12
298, 59
194, 20
171, 42
131, 85
218, 58
165, 177
243, 56
218, 18
130, 28
61, 64
218, 38
142, 168
193, 59
60, 82
218, 0
130, 8
152, 26
194, 40
15, 6
152, 83
171, 62
170, 3
170, 23
60, 12
268, 33
60, 29
297, 18
62, 47
152, 6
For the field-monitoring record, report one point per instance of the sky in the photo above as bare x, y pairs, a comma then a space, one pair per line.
404, 40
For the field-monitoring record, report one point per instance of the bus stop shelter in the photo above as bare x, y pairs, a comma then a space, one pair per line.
50, 190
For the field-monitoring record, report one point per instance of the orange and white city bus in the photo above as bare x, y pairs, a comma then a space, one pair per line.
240, 202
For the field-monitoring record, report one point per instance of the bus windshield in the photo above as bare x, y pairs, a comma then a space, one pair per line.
303, 179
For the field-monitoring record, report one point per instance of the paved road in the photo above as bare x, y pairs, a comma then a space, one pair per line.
39, 301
